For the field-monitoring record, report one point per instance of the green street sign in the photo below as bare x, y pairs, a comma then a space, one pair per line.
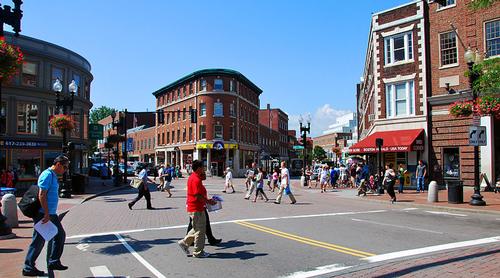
298, 147
96, 131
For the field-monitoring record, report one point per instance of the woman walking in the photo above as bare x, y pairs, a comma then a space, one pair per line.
276, 176
229, 180
324, 178
389, 181
260, 185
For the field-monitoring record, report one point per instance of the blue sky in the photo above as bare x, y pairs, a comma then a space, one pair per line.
307, 56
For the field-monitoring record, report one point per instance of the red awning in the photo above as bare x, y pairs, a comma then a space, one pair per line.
406, 140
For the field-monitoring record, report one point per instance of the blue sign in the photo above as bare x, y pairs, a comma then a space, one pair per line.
218, 145
130, 145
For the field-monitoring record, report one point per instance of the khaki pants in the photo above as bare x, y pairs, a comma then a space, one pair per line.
280, 195
197, 233
250, 189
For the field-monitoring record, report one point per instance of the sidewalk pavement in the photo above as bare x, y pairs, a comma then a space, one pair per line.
13, 251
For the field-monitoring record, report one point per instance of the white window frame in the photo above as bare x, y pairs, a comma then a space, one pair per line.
221, 131
408, 49
441, 66
217, 108
447, 6
390, 97
485, 40
203, 109
232, 111
232, 87
203, 132
203, 85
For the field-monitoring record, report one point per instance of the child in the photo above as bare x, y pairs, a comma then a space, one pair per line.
229, 180
276, 176
260, 185
372, 183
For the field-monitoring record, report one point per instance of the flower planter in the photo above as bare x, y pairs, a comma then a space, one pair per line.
62, 123
11, 58
461, 108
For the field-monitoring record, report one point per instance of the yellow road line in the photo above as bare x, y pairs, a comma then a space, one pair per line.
309, 241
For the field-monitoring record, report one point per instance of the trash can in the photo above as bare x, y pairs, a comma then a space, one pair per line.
78, 183
455, 191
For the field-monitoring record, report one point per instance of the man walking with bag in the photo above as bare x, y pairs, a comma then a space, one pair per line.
196, 203
252, 176
143, 190
285, 185
48, 195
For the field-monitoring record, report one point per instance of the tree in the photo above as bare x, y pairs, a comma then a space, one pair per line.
481, 4
100, 113
319, 153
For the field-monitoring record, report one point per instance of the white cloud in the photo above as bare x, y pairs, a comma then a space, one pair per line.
320, 120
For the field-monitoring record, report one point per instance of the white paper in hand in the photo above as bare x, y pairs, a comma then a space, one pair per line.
47, 230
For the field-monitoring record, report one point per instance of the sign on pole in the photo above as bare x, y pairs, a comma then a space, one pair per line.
298, 147
477, 136
96, 131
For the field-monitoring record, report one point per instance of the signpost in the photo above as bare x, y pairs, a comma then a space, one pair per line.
96, 131
477, 135
298, 147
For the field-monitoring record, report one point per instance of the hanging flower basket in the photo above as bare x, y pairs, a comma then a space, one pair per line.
62, 123
11, 58
488, 105
461, 108
115, 138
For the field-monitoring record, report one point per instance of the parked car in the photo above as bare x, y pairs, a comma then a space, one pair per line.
96, 169
150, 167
130, 169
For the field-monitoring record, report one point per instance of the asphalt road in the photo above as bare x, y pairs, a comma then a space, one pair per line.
322, 234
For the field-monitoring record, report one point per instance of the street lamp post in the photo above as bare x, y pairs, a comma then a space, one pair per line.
116, 172
379, 142
304, 130
471, 58
65, 103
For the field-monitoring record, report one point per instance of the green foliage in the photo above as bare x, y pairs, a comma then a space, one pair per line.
481, 4
319, 153
488, 76
100, 113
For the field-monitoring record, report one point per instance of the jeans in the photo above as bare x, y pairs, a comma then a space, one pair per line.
420, 184
401, 183
54, 248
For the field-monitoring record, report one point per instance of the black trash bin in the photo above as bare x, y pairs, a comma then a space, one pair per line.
455, 191
78, 183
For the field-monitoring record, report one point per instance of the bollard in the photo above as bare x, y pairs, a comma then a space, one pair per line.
9, 208
303, 181
432, 192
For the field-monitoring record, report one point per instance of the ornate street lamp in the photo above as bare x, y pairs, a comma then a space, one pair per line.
304, 130
65, 103
471, 58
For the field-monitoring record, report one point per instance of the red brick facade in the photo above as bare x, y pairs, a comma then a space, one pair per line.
277, 120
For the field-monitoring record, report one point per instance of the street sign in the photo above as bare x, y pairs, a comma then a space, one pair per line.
298, 147
130, 144
96, 131
477, 136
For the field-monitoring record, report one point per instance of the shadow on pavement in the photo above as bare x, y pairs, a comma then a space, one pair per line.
438, 263
10, 250
114, 200
232, 244
242, 255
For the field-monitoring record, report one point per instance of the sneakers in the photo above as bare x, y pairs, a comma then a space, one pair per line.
33, 273
203, 254
184, 247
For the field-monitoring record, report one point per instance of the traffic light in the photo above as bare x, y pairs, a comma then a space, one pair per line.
161, 116
194, 116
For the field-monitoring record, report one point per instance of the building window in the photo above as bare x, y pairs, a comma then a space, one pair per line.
168, 118
493, 38
178, 94
27, 162
51, 112
203, 109
184, 113
87, 89
191, 88
76, 131
29, 75
232, 87
232, 112
173, 136
400, 99
398, 48
149, 143
232, 135
218, 109
448, 45
451, 163
190, 133
77, 79
178, 135
178, 114
184, 135
168, 138
203, 132
203, 85
447, 3
218, 85
218, 132
3, 118
184, 91
27, 118
159, 138
57, 73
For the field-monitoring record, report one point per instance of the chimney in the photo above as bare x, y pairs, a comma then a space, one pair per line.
268, 106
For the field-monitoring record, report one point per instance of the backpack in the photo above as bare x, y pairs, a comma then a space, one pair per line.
29, 203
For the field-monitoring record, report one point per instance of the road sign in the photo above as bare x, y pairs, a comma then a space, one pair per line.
298, 147
96, 131
477, 136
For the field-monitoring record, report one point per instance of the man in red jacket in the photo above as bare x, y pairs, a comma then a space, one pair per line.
196, 202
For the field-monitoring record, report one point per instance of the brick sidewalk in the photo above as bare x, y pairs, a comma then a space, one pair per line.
481, 261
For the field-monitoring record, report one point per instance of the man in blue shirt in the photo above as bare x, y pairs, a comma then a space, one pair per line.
49, 198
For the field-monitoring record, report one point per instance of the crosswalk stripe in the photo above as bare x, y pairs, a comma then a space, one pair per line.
308, 241
101, 271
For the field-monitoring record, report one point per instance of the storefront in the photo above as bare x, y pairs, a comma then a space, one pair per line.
399, 147
217, 156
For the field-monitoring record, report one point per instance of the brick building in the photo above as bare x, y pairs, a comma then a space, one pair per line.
331, 140
392, 94
226, 132
143, 142
453, 28
276, 120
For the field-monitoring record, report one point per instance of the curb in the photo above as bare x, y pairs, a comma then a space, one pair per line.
445, 208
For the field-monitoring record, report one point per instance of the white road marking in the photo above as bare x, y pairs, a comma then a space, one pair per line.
82, 246
224, 222
101, 271
317, 271
418, 251
139, 258
407, 209
446, 213
396, 226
